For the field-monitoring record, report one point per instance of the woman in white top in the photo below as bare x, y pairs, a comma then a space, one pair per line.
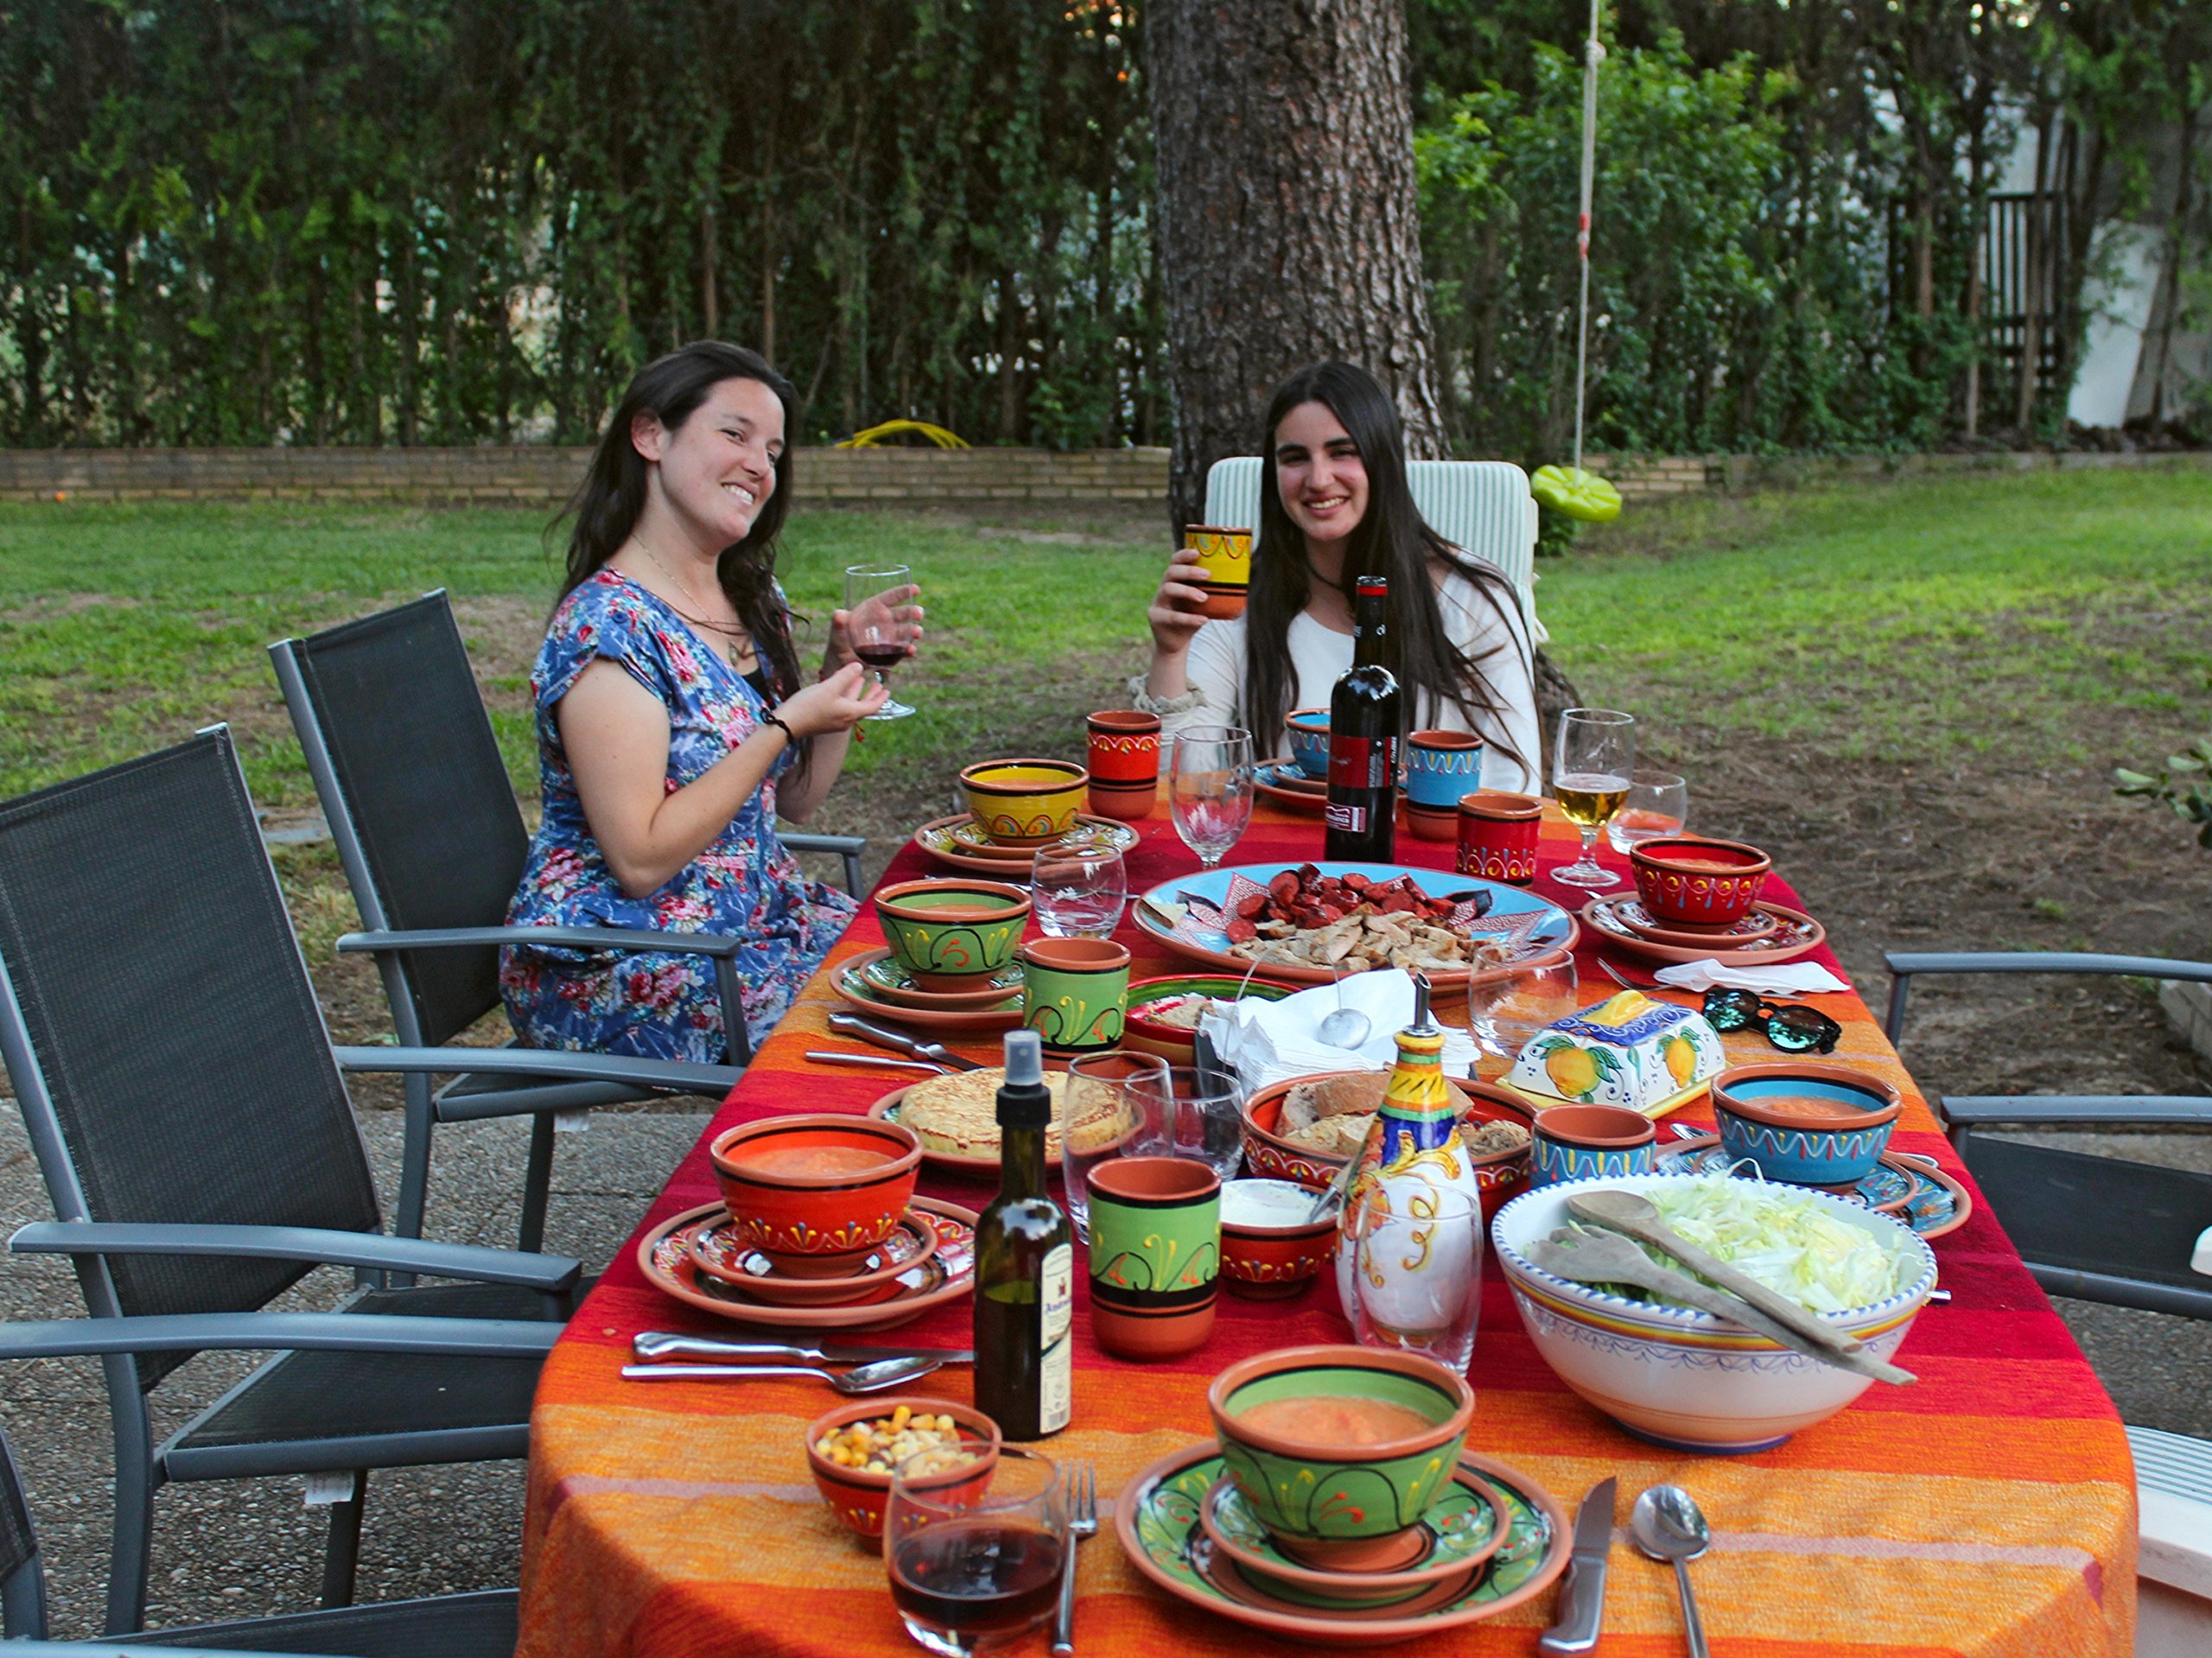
1334, 506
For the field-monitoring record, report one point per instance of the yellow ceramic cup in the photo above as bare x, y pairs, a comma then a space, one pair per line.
1224, 555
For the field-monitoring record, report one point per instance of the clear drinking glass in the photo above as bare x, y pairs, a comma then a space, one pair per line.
879, 621
973, 1537
1504, 1011
1203, 1118
1210, 789
1658, 803
1591, 764
1078, 886
1417, 1269
1107, 1110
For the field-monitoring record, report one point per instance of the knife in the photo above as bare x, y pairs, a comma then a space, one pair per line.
898, 1042
1582, 1597
667, 1345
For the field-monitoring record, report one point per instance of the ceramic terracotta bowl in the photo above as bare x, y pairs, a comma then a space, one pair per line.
1224, 602
1327, 1503
1698, 883
1579, 1142
804, 1192
1224, 553
1024, 802
1309, 739
1498, 830
952, 935
1499, 1175
858, 1497
1801, 1120
1268, 1260
1172, 1042
1427, 825
1440, 767
1155, 1255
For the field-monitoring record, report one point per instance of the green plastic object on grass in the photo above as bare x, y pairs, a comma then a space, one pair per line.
1577, 492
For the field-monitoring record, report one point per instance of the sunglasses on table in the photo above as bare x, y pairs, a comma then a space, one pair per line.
1790, 1026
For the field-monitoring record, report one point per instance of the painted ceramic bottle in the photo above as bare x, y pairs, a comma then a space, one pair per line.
1414, 1144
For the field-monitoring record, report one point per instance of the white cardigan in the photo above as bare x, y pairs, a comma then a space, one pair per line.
1320, 657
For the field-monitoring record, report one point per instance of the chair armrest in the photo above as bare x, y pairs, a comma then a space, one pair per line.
638, 939
336, 1332
2032, 961
371, 1251
676, 1075
839, 844
1976, 1110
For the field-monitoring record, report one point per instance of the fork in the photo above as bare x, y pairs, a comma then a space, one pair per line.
1083, 1491
1623, 981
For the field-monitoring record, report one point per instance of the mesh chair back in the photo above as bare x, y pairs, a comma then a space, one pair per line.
176, 1050
415, 775
18, 1548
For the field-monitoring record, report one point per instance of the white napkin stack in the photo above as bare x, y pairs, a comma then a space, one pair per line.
1266, 1042
1791, 979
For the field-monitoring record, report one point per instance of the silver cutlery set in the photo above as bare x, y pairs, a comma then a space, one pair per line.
1665, 1524
875, 1369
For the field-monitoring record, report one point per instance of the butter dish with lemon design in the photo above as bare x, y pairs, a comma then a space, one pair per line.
1649, 1055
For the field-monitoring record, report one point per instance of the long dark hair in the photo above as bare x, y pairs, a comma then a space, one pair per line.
1393, 541
607, 504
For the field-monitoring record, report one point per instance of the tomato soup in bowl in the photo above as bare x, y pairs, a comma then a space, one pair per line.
1805, 1121
1339, 1449
816, 1193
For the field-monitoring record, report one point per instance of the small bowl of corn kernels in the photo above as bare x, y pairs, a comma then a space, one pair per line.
852, 1450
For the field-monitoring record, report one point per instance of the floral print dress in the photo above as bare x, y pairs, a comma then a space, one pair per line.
744, 885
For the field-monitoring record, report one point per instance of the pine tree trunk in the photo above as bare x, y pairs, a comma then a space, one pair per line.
1288, 227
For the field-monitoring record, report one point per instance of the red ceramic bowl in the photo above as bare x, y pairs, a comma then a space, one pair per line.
1268, 1155
1699, 883
803, 1193
857, 1497
1267, 1262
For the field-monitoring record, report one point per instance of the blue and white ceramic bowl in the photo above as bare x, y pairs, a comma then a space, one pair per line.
1309, 739
1441, 766
1688, 1380
1805, 1122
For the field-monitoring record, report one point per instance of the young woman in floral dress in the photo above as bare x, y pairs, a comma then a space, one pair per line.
674, 726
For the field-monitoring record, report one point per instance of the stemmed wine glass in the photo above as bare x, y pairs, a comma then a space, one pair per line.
1210, 789
876, 621
1591, 764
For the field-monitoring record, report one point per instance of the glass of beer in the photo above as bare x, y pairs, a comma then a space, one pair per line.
1591, 764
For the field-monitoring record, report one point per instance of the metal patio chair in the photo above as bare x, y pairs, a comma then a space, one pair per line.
419, 803
181, 1093
480, 1625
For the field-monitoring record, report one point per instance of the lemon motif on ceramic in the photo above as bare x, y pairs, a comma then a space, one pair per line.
1680, 1055
1573, 1071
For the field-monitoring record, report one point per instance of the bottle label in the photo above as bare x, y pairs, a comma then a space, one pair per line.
1362, 763
1345, 816
1056, 1366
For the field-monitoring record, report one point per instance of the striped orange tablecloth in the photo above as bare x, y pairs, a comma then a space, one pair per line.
1988, 1509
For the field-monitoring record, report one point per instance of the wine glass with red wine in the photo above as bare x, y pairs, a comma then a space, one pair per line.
879, 621
974, 1536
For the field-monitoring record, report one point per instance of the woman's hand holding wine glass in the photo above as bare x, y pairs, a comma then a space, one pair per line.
882, 624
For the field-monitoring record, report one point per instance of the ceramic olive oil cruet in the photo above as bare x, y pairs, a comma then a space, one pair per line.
1412, 1147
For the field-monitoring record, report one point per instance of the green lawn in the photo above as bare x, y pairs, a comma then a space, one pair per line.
2014, 616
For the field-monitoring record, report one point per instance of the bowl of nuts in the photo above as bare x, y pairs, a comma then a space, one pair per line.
852, 1450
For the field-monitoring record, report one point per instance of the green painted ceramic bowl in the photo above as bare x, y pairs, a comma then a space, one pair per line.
1328, 1502
952, 935
1024, 802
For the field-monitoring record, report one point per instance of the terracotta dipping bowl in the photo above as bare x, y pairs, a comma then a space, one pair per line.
1499, 1175
1801, 1121
1309, 739
1427, 824
790, 1200
1698, 883
1328, 1503
1268, 1259
1172, 1042
1024, 802
952, 935
858, 1497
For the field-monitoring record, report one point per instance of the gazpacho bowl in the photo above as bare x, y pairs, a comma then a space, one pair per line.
1309, 739
1498, 1175
1688, 1380
1024, 802
1695, 882
1328, 1502
857, 1496
1814, 1124
1269, 1248
951, 935
816, 1193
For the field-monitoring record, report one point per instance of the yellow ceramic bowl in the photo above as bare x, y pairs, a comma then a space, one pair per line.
1024, 802
1224, 555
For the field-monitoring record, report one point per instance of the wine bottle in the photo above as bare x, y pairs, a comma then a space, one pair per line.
1025, 1266
1364, 727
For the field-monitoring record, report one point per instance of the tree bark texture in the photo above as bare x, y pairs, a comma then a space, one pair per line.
1288, 224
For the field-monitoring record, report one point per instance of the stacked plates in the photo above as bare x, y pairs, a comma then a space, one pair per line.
960, 843
1491, 1539
930, 1259
876, 984
1769, 934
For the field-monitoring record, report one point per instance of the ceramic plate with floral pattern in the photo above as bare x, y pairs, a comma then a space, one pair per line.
1929, 1200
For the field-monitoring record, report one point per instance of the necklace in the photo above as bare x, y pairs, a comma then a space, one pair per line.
737, 639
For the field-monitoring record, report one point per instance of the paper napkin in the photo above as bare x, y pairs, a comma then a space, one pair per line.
1789, 979
1265, 1042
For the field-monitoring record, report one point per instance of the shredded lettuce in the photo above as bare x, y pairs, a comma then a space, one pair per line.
1785, 1239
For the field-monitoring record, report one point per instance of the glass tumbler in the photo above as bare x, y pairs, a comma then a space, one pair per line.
973, 1537
1417, 1268
1108, 1109
1078, 886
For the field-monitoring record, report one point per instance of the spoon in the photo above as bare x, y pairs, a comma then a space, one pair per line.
862, 1379
1667, 1526
1347, 1027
